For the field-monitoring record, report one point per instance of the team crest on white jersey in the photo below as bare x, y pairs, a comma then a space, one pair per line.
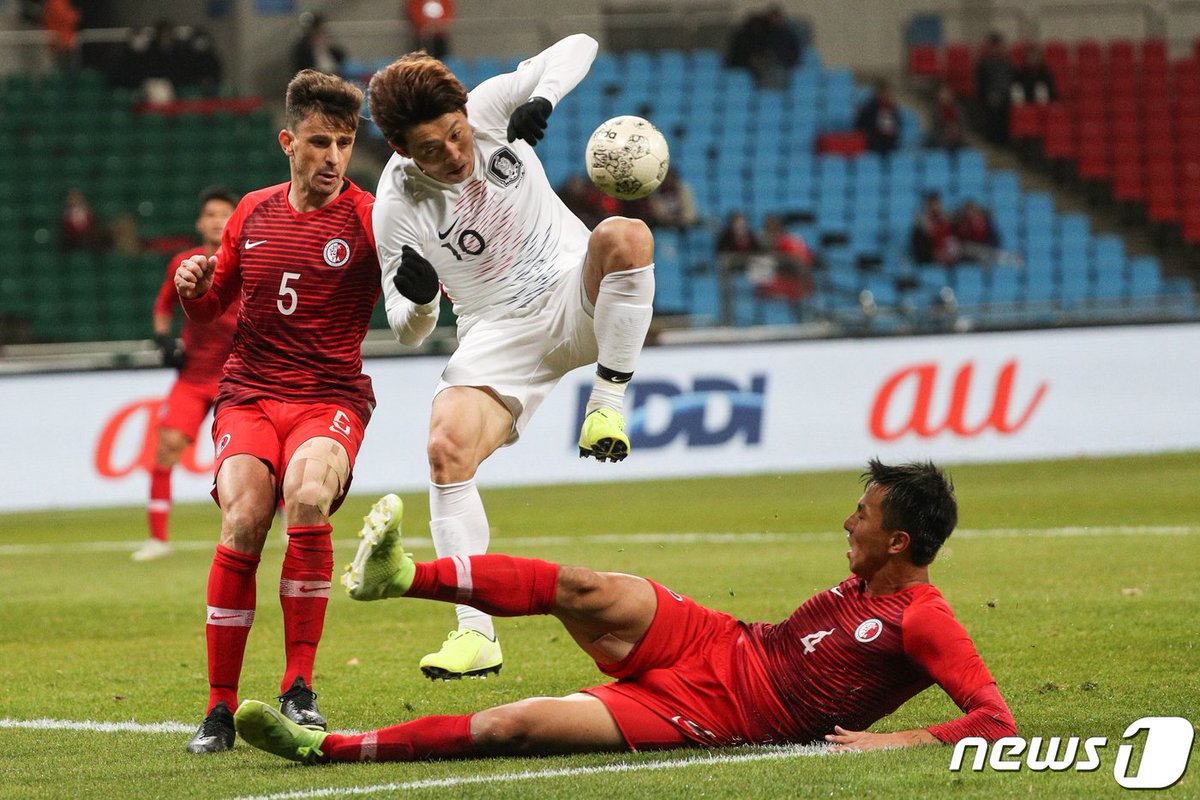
504, 167
868, 631
336, 252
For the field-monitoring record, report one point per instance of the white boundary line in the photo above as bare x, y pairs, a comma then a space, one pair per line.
96, 727
763, 754
39, 549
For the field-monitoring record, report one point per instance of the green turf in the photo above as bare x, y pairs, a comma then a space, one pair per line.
1085, 633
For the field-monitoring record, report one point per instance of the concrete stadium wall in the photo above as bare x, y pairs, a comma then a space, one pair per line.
83, 441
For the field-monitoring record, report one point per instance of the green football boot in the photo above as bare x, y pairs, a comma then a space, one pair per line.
268, 729
603, 435
381, 568
464, 654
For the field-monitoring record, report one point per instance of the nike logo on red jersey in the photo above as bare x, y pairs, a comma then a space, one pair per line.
251, 245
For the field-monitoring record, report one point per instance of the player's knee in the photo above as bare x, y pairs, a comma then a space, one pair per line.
449, 459
622, 243
580, 589
244, 528
504, 729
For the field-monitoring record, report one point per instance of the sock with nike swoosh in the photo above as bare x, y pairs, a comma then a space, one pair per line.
231, 602
304, 594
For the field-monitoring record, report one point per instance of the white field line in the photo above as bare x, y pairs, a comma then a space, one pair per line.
96, 727
759, 754
417, 543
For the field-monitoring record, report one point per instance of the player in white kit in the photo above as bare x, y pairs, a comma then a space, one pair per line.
464, 207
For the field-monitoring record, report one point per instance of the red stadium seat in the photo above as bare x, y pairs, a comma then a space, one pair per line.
1121, 54
1127, 183
1154, 53
1089, 56
1058, 139
924, 61
1025, 121
1017, 52
960, 70
1190, 225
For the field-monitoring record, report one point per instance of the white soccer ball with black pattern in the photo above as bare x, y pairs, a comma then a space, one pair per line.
627, 157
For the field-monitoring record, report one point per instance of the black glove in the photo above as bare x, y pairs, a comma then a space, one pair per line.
171, 349
416, 278
528, 122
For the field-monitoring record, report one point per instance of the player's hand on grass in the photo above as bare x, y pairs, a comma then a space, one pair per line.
416, 278
194, 276
845, 741
528, 122
171, 349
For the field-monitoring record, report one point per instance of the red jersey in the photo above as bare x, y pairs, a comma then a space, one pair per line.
206, 346
308, 283
845, 658
842, 658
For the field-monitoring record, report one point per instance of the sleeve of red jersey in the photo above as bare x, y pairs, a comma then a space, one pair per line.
168, 299
227, 278
938, 642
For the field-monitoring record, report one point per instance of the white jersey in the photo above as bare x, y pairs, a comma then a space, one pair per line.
500, 239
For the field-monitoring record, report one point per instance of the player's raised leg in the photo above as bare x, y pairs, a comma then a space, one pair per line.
619, 281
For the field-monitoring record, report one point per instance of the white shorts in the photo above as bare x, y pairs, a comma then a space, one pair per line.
522, 358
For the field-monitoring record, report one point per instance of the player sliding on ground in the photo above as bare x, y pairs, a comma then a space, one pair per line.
687, 675
464, 205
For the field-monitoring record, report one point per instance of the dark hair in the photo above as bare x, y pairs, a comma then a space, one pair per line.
412, 90
918, 499
312, 92
218, 193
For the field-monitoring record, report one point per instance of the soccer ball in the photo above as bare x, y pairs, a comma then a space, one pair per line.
627, 158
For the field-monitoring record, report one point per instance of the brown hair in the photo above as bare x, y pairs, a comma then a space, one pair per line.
414, 89
312, 92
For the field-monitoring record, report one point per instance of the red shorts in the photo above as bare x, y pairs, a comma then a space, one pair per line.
185, 407
673, 687
272, 430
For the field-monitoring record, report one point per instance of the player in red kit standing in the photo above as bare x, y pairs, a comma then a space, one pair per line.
199, 361
294, 401
690, 676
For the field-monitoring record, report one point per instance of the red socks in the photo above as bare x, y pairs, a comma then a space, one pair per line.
424, 739
159, 507
503, 586
229, 617
304, 593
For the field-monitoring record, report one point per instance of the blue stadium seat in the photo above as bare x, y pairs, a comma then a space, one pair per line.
1145, 277
1004, 285
968, 284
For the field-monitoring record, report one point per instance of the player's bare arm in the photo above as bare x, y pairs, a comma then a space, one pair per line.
195, 276
845, 741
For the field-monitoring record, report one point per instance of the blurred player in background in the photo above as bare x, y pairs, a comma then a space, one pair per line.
198, 355
294, 401
465, 203
690, 676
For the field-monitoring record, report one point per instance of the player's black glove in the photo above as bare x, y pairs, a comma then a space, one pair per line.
416, 278
528, 122
171, 349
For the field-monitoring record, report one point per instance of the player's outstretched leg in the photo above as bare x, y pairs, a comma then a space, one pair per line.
464, 654
216, 733
381, 568
268, 729
603, 435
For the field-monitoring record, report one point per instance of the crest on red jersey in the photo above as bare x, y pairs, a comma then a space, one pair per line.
336, 252
868, 631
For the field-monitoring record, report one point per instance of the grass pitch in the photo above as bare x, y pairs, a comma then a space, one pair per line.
1076, 579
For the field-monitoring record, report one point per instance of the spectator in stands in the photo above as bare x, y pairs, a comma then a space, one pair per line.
878, 119
768, 44
315, 49
200, 65
430, 21
163, 64
978, 240
77, 224
587, 202
993, 85
61, 19
949, 124
738, 241
933, 239
1033, 82
672, 205
792, 263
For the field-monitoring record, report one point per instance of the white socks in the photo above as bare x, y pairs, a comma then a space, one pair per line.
459, 527
624, 309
